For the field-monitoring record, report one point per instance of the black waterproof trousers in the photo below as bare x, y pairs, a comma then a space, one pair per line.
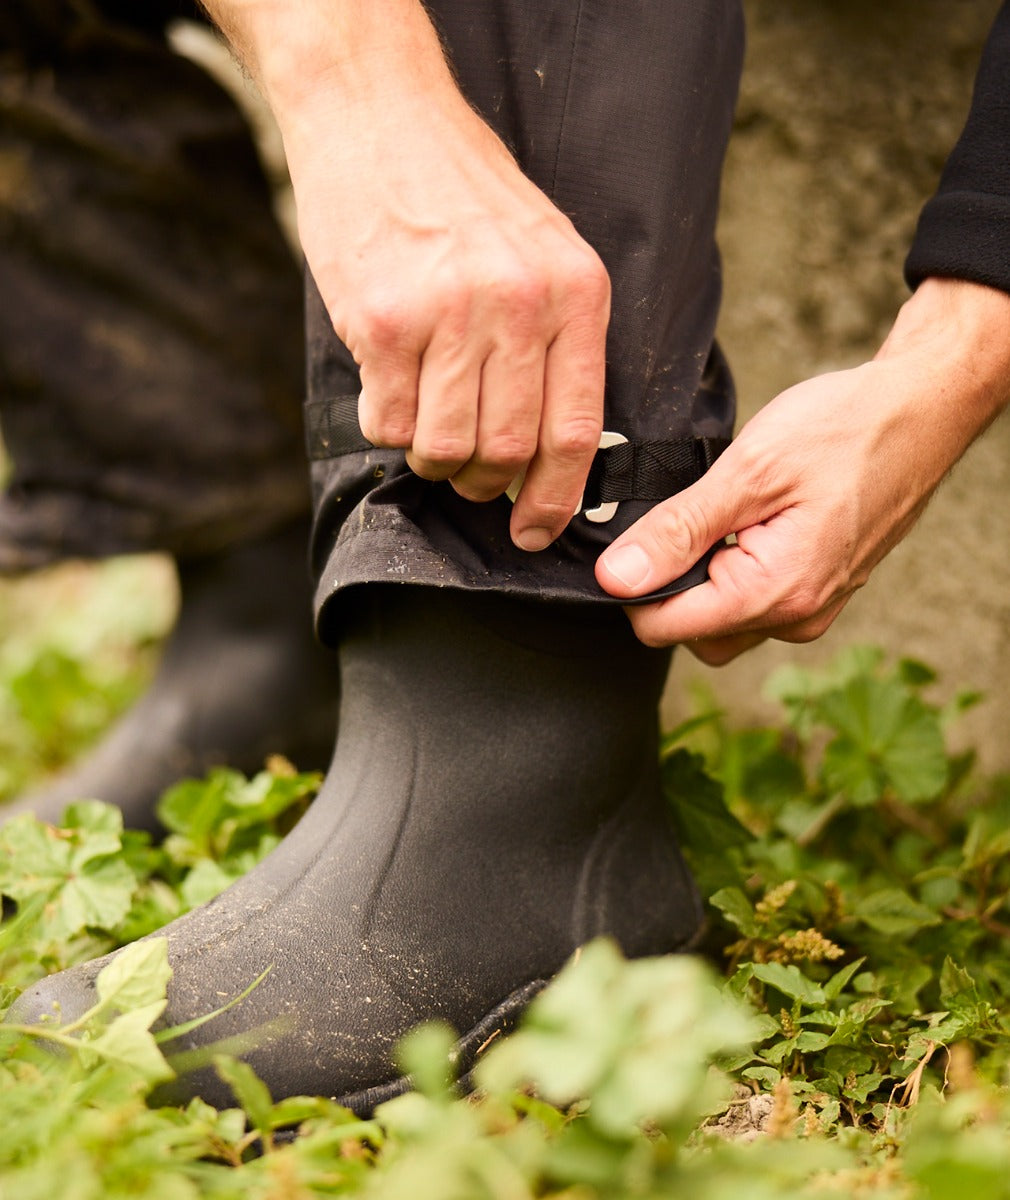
151, 345
150, 340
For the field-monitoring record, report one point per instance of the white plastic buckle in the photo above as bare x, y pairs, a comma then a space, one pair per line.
603, 512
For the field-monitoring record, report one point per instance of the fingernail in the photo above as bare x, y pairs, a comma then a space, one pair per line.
629, 564
534, 539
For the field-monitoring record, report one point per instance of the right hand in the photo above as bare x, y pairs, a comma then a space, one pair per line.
475, 311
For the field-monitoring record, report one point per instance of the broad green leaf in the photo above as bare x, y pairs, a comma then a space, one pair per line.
128, 1042
205, 881
841, 979
135, 977
892, 911
98, 896
425, 1054
886, 739
704, 823
791, 982
736, 908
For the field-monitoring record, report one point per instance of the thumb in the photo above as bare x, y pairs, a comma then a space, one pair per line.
670, 538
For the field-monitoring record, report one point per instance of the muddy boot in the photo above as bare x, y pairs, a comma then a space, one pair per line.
493, 803
241, 678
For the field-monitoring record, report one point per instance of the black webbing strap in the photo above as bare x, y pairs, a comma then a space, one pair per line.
631, 471
331, 428
649, 470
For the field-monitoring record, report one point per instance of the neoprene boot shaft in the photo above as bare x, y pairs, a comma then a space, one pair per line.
493, 803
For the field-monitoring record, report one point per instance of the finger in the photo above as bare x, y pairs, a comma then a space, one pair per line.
448, 391
569, 435
508, 421
742, 600
717, 652
737, 492
670, 538
389, 358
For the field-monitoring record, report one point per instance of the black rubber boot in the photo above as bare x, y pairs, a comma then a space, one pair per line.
493, 803
241, 678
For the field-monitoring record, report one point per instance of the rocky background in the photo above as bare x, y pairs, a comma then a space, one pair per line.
847, 112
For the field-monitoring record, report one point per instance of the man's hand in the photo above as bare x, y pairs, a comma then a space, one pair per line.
821, 484
476, 313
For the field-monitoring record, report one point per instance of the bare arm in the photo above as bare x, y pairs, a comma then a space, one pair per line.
476, 313
822, 483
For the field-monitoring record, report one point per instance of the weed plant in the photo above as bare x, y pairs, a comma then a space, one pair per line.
842, 1029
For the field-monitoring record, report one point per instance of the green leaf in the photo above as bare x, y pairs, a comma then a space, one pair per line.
635, 1038
425, 1055
914, 673
791, 982
737, 909
704, 823
841, 979
250, 1091
892, 911
886, 739
136, 976
128, 1042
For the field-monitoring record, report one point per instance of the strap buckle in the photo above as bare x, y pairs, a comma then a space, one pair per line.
602, 512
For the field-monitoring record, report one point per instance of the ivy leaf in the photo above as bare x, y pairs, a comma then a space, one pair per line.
634, 1038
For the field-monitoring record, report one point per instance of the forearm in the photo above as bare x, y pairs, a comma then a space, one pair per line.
352, 52
953, 338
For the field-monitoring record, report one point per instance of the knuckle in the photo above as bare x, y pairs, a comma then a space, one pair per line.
588, 279
522, 292
714, 654
443, 450
387, 431
647, 628
478, 491
508, 450
684, 529
383, 323
575, 438
801, 607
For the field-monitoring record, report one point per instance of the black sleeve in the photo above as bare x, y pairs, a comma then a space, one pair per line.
964, 230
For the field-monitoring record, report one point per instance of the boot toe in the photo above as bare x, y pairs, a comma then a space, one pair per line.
59, 999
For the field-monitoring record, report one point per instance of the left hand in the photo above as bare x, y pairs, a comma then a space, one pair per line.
821, 484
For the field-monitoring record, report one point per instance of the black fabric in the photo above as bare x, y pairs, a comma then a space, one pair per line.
493, 803
637, 168
964, 230
151, 332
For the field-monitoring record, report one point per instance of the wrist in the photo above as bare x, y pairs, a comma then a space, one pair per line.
957, 333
